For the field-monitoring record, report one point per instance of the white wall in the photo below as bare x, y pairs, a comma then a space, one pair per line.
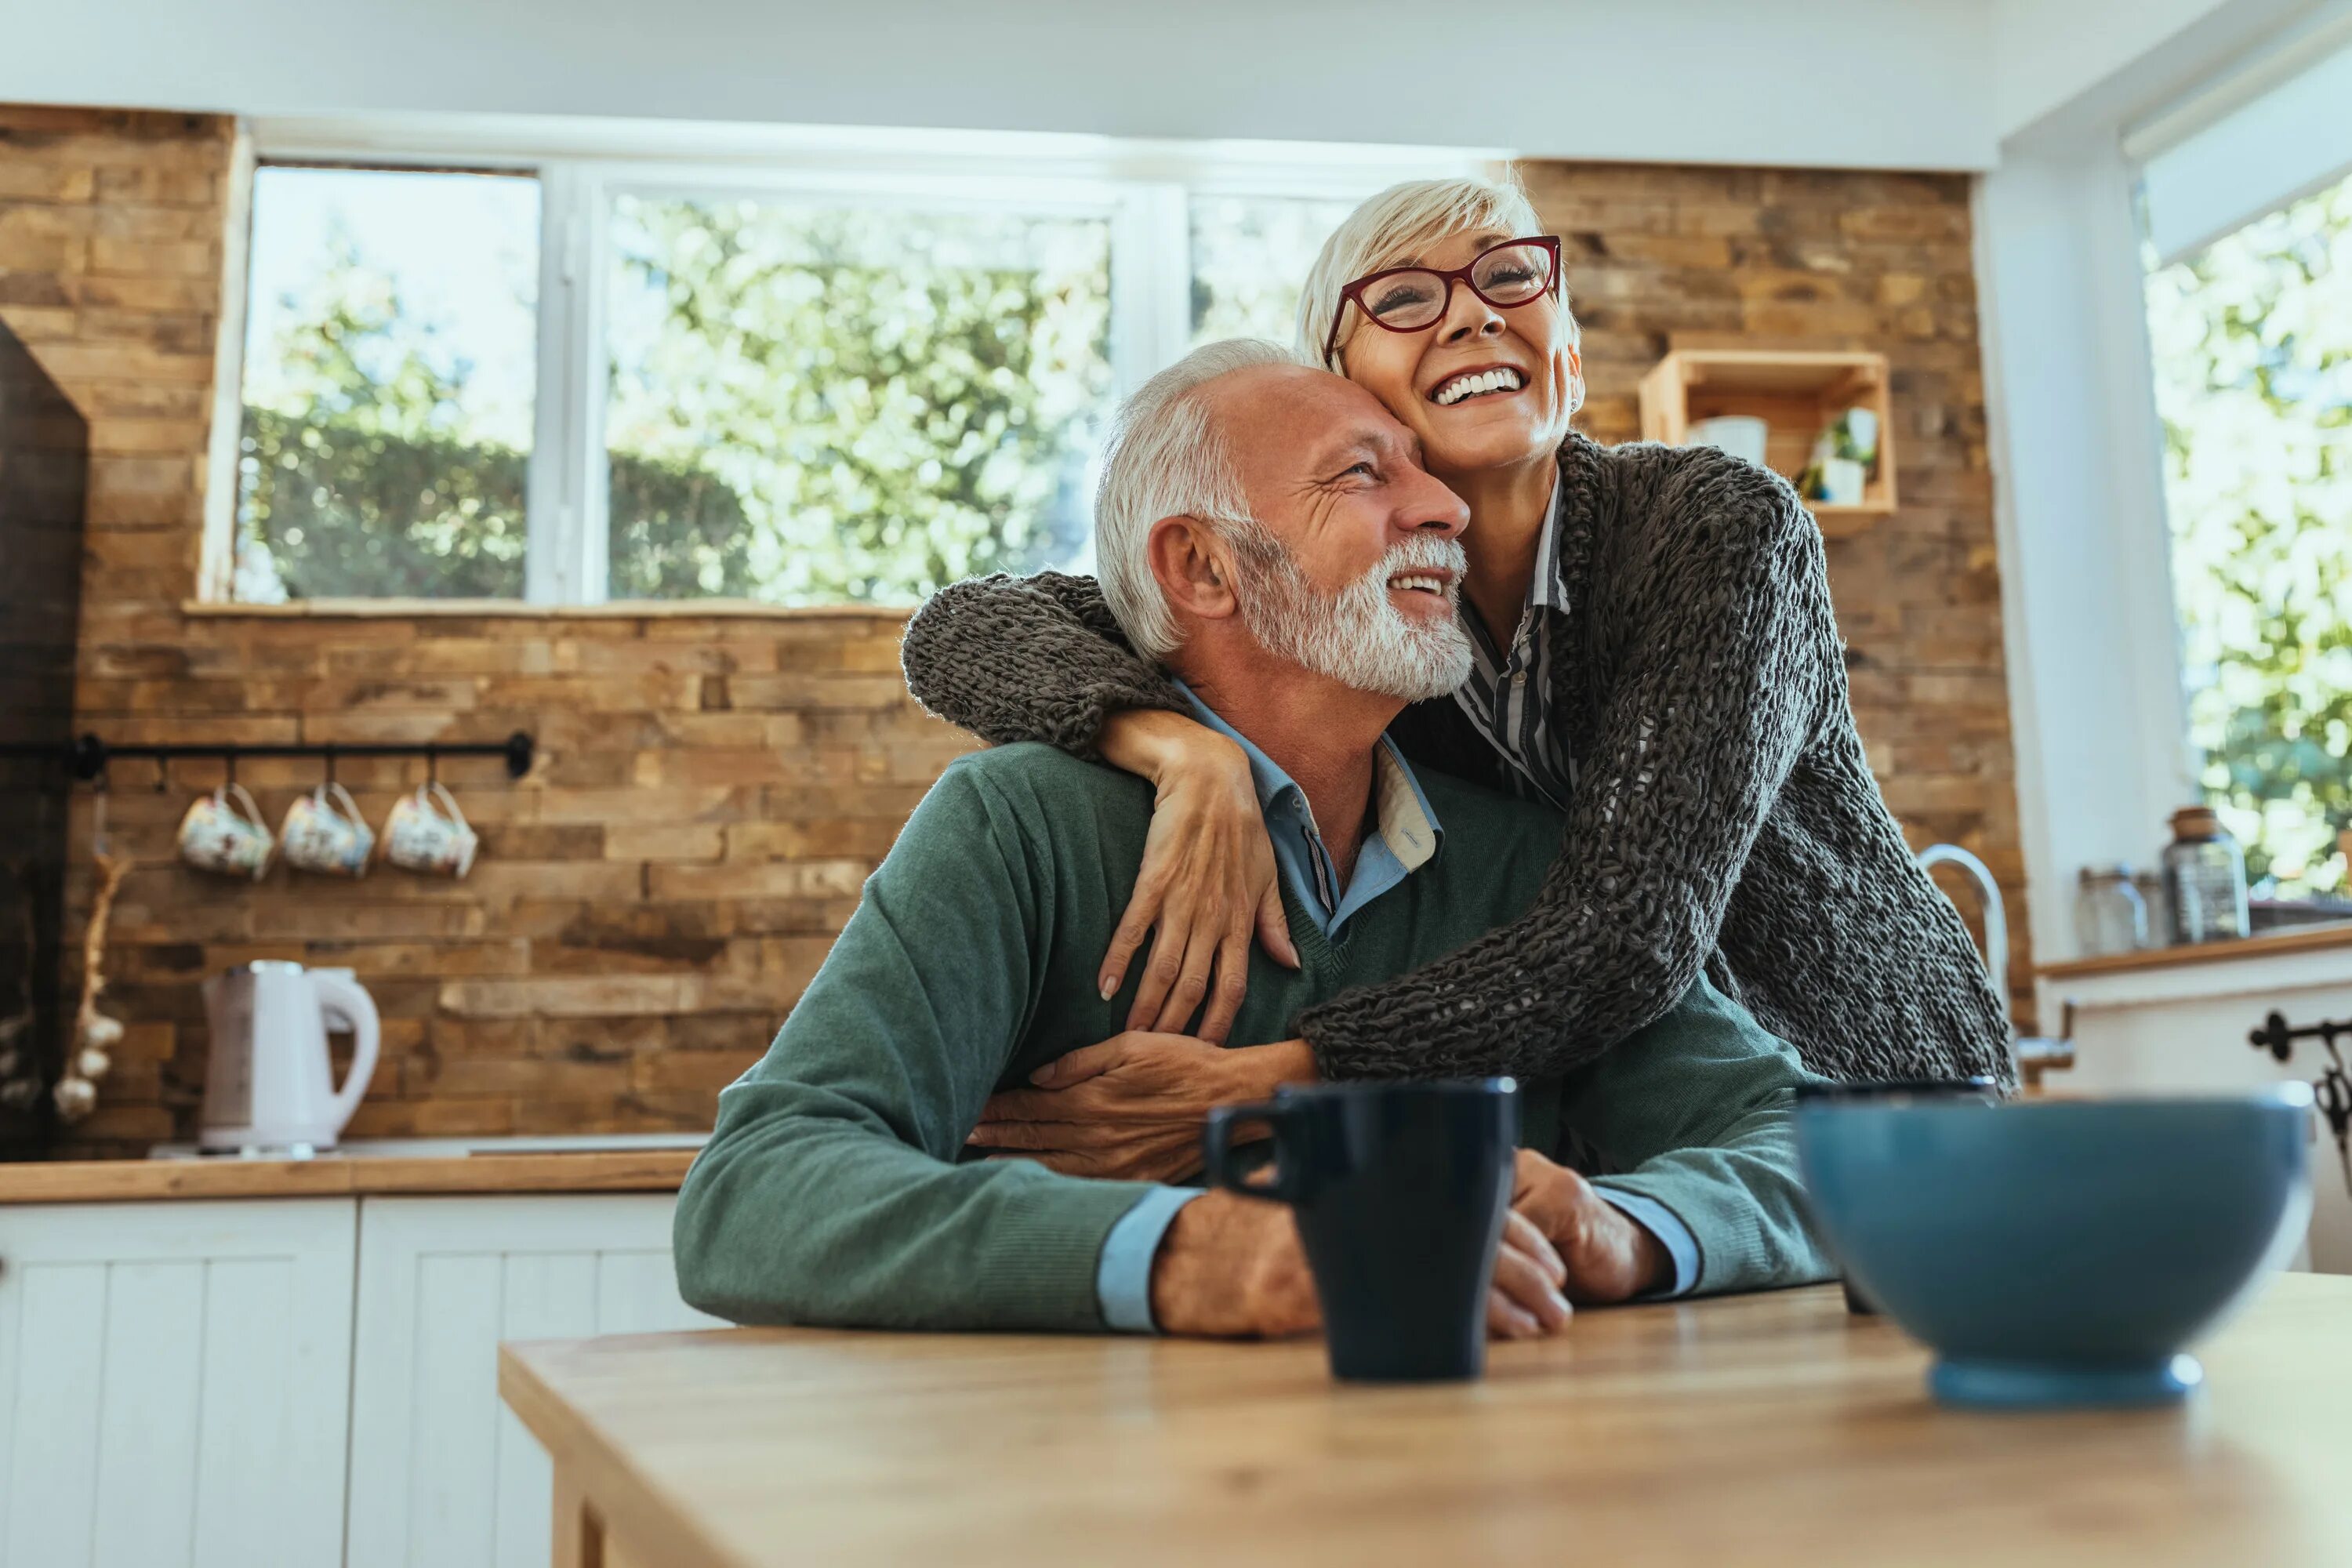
1854, 83
2095, 695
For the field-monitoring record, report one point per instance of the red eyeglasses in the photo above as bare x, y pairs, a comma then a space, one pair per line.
1415, 299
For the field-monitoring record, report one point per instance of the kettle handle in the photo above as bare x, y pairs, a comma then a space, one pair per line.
341, 998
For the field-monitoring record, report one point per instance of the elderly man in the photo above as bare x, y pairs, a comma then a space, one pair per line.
1277, 543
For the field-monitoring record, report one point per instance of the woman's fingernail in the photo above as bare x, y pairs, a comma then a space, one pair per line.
1109, 986
1561, 1304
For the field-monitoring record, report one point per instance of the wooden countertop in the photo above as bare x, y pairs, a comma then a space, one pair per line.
333, 1175
2271, 944
1758, 1430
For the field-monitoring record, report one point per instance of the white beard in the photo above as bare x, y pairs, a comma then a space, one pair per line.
1356, 636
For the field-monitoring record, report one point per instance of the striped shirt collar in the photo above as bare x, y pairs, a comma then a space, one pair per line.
1547, 590
1508, 696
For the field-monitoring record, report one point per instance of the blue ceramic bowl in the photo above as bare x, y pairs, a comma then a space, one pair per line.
2058, 1253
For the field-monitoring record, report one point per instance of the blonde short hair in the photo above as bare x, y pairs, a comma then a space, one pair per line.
1404, 221
1166, 457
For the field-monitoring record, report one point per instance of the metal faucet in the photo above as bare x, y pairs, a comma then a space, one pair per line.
2033, 1055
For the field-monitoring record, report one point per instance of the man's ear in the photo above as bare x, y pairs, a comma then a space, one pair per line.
1194, 568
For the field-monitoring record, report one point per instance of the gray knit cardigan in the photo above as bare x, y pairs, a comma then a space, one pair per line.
1724, 817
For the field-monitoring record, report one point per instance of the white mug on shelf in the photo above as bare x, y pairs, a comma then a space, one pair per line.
223, 832
1740, 436
1843, 482
323, 832
427, 832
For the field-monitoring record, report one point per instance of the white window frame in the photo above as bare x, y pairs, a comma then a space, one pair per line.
1143, 189
2291, 93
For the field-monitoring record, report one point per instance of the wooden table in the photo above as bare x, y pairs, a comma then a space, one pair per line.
1754, 1430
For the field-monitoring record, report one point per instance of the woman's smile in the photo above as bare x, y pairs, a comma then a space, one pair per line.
1480, 381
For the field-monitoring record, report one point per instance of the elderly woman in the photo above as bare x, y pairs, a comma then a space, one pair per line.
1655, 656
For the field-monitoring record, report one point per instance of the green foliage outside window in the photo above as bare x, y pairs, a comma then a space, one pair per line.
882, 400
2253, 344
358, 476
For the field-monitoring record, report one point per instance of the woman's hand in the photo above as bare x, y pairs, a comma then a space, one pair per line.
1132, 1108
1209, 880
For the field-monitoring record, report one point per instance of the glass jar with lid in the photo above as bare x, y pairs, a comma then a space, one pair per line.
2149, 880
2110, 917
2205, 878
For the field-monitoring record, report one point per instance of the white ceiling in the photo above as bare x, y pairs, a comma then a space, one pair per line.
2047, 51
1850, 83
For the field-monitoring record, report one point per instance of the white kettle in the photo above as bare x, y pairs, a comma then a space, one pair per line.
268, 1087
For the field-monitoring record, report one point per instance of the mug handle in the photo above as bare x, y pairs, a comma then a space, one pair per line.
244, 800
1231, 1166
350, 808
449, 803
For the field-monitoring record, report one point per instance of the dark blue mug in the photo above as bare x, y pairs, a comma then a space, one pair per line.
1401, 1190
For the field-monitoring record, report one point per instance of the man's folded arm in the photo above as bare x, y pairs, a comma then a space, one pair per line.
829, 1192
1699, 1107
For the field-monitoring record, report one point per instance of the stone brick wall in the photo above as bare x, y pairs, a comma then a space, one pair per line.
712, 789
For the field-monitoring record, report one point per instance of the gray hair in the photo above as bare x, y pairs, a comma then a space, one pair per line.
1166, 457
1405, 221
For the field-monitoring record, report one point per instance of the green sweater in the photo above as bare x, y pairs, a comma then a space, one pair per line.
836, 1187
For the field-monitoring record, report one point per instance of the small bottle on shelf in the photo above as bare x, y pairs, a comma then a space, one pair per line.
2109, 915
2205, 878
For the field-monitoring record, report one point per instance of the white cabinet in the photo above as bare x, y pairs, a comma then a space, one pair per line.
173, 1383
191, 1383
442, 1475
2183, 1029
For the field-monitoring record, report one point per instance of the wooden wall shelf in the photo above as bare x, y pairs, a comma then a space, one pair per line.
1795, 393
2267, 944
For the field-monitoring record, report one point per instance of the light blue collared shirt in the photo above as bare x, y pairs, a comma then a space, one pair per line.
1406, 836
1405, 831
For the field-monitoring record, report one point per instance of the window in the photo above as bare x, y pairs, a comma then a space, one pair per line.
389, 357
2252, 341
806, 381
1249, 255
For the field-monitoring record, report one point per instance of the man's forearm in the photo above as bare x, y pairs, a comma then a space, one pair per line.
802, 1211
1742, 1202
1701, 1105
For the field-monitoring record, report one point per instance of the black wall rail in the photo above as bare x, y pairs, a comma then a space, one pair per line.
88, 757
